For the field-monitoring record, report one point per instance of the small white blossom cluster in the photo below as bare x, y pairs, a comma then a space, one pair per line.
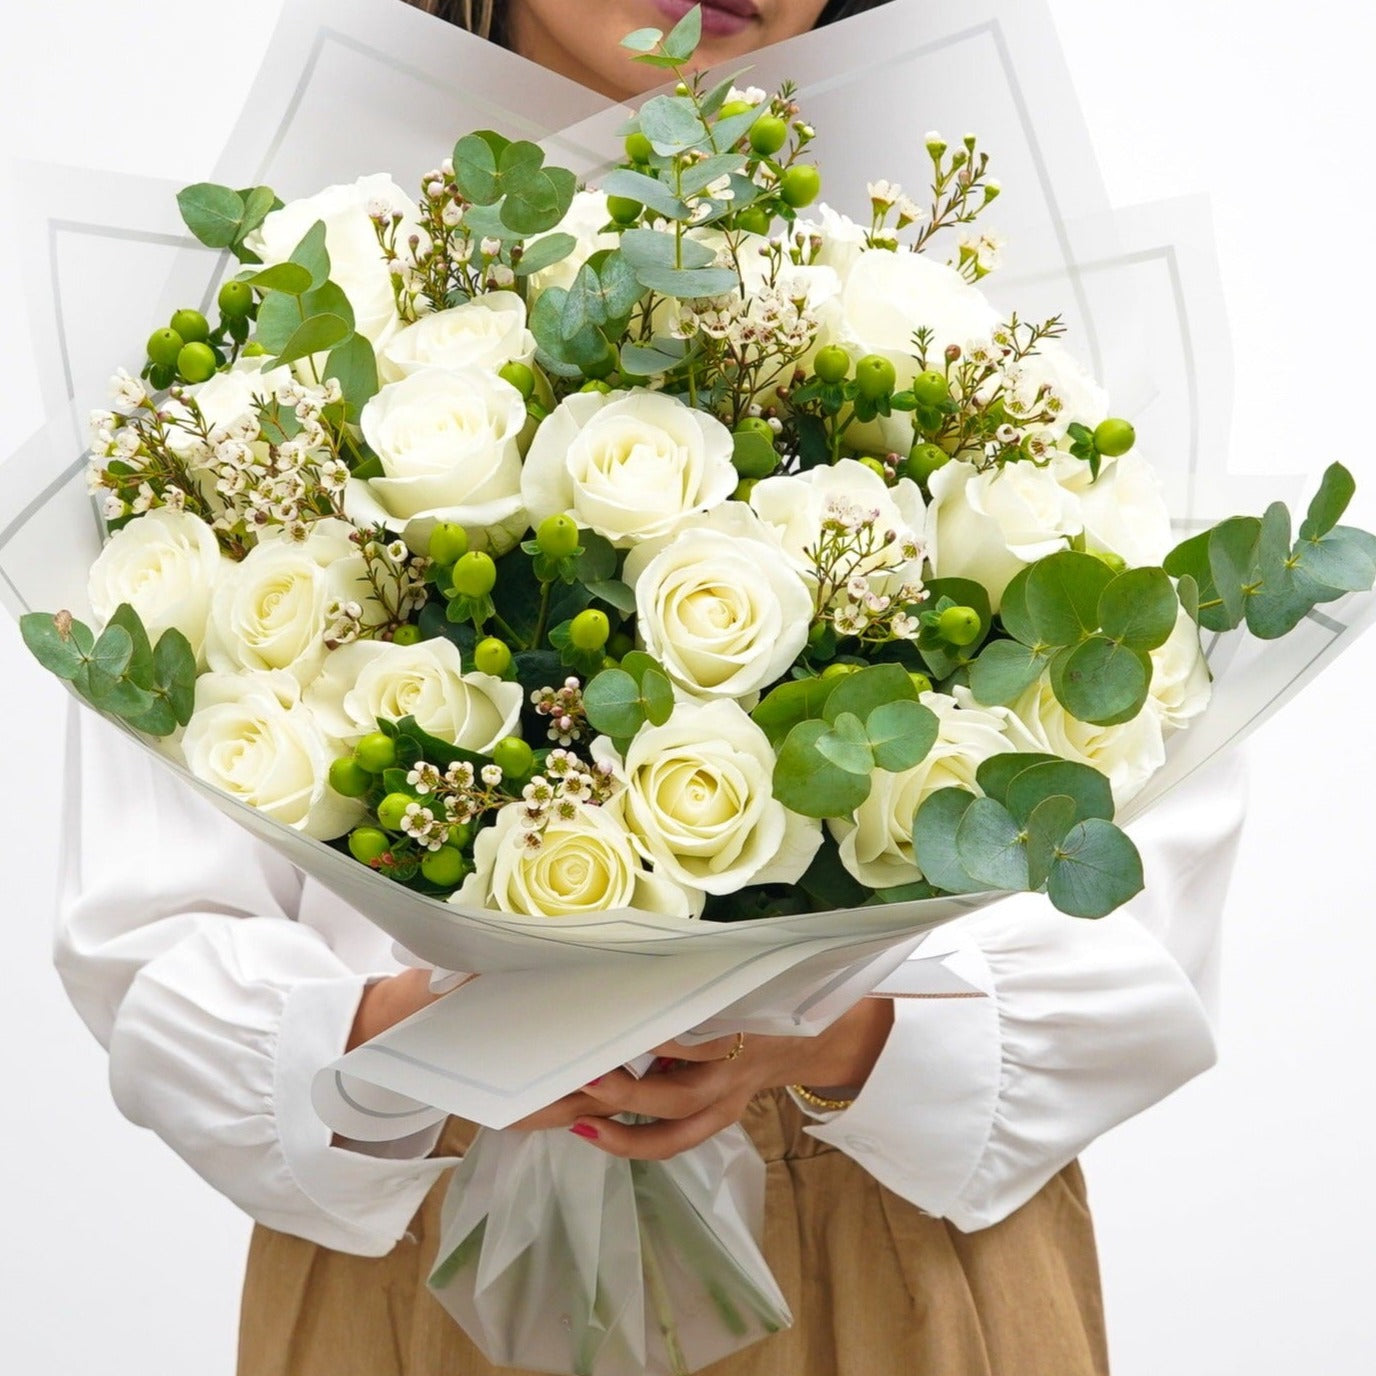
887, 198
453, 798
564, 707
771, 321
567, 784
853, 565
859, 609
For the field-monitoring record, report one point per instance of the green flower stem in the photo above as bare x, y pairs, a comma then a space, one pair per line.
542, 617
509, 635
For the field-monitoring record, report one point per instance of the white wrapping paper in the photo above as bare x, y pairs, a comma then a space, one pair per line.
354, 86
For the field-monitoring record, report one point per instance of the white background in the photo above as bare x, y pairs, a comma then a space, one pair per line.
1237, 1220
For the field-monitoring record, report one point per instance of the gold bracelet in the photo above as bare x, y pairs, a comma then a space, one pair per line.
820, 1101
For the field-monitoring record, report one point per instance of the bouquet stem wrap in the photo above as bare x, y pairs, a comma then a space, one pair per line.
555, 1257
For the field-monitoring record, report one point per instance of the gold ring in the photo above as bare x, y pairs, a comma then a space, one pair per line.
737, 1049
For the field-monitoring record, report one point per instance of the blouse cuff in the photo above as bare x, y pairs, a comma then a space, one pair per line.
921, 1122
366, 1193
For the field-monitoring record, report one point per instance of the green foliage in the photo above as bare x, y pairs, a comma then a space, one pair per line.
222, 218
618, 702
120, 672
529, 197
1250, 570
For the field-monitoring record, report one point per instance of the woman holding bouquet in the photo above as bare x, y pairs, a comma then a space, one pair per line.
924, 1205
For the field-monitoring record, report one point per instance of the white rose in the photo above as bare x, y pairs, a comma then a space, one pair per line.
798, 507
368, 679
717, 606
356, 261
1124, 511
272, 610
987, 526
1081, 398
889, 294
586, 221
629, 465
876, 841
698, 801
251, 736
585, 865
223, 399
487, 332
166, 565
1180, 682
449, 447
1128, 754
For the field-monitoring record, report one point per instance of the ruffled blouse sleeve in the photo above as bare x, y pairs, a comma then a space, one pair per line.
1070, 1026
196, 955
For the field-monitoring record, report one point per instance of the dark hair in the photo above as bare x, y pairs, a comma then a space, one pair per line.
487, 18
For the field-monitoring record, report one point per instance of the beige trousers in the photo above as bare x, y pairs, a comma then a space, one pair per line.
876, 1287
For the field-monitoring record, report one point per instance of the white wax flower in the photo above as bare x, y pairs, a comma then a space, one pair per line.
629, 465
357, 265
368, 679
717, 605
252, 736
876, 841
226, 397
1082, 399
449, 447
166, 565
272, 610
487, 332
987, 526
698, 801
586, 864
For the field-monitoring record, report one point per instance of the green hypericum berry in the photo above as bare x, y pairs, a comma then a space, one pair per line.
920, 681
589, 629
754, 219
744, 488
959, 625
875, 377
448, 543
875, 465
235, 300
513, 757
1114, 437
164, 346
624, 210
193, 327
196, 362
444, 867
1114, 560
603, 367
475, 575
392, 809
557, 536
161, 376
840, 669
639, 148
832, 364
800, 185
375, 752
732, 108
755, 425
348, 778
931, 389
492, 656
620, 645
461, 835
923, 460
768, 134
520, 377
367, 843
406, 634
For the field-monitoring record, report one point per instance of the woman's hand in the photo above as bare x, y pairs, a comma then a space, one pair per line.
386, 1002
703, 1089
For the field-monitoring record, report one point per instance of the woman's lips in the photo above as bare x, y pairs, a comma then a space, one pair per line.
720, 18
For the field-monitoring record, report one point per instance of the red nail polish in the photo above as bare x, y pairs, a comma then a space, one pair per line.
584, 1130
663, 1063
597, 1080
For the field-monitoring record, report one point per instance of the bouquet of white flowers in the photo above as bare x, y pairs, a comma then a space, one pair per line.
574, 576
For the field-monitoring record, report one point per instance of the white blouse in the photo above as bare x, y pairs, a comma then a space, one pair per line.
221, 979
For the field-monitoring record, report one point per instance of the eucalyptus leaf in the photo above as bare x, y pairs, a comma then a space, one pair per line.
1336, 489
860, 693
545, 252
1045, 829
934, 840
317, 335
1004, 670
212, 213
289, 278
642, 40
806, 782
614, 592
650, 191
990, 846
1139, 608
1013, 609
174, 673
688, 284
790, 703
847, 746
1190, 559
1335, 561
996, 774
1095, 869
901, 734
59, 643
654, 248
612, 702
541, 203
311, 254
353, 365
140, 666
1232, 562
683, 39
671, 124
1099, 681
1063, 592
1088, 790
701, 175
658, 695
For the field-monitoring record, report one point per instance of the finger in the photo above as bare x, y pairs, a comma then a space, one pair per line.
660, 1140
669, 1094
559, 1114
718, 1049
